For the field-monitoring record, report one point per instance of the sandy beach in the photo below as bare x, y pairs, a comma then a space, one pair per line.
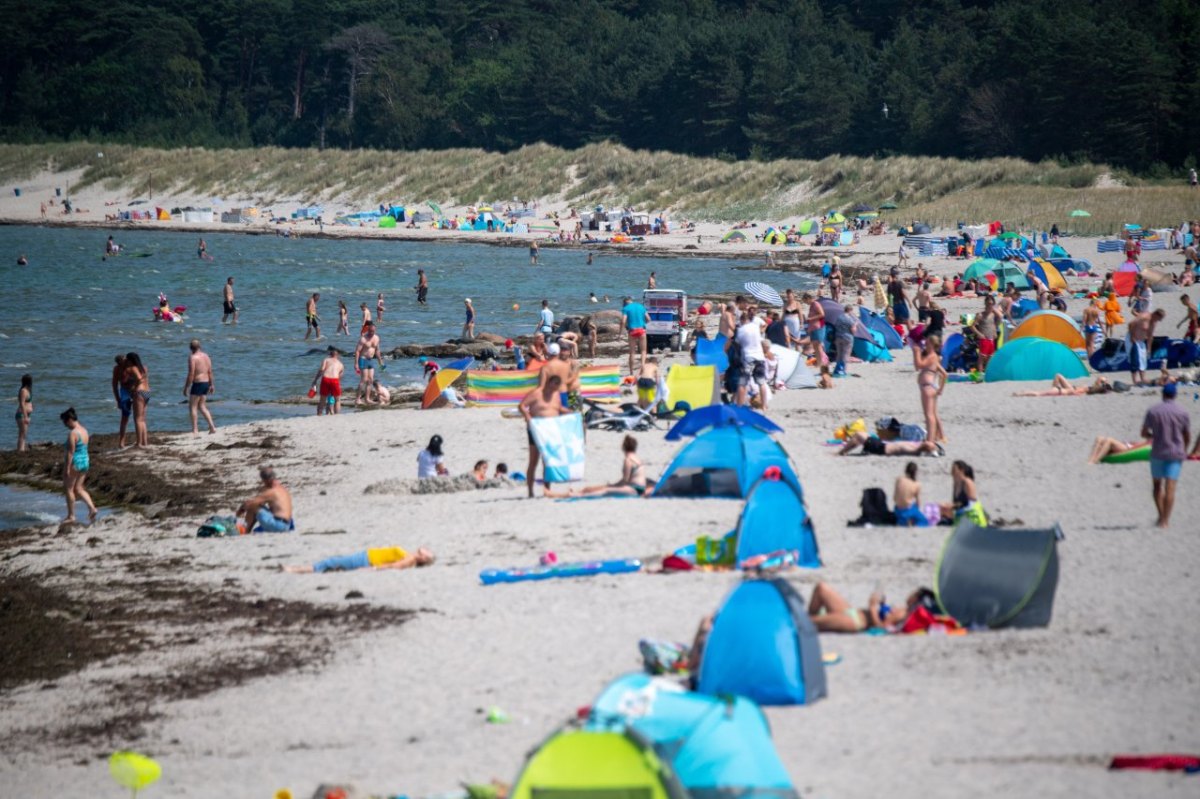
241, 679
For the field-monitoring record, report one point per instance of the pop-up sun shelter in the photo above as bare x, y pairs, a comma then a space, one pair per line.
994, 577
695, 385
764, 647
1053, 325
793, 369
711, 352
724, 462
1047, 273
878, 323
774, 520
1032, 358
587, 764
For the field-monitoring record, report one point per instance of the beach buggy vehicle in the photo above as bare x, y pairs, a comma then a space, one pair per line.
667, 322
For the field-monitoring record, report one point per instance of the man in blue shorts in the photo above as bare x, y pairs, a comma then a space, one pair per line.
1168, 427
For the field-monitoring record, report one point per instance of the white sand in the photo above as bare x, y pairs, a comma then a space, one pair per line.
1011, 713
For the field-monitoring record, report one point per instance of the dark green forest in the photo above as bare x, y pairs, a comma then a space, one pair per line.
1096, 80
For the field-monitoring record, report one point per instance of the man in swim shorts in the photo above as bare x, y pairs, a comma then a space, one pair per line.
270, 508
198, 385
123, 398
329, 377
311, 319
422, 287
1168, 426
366, 360
647, 383
228, 307
543, 401
1137, 343
634, 314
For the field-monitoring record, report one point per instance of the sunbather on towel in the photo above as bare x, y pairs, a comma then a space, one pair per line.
1104, 446
874, 445
832, 613
632, 483
1061, 387
377, 558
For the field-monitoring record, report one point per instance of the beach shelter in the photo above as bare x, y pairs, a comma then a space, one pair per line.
735, 236
616, 764
793, 370
1033, 358
951, 347
978, 269
764, 647
808, 227
439, 381
878, 323
835, 218
1069, 264
773, 520
711, 352
716, 746
1159, 280
387, 221
873, 351
1053, 325
723, 462
1123, 283
1046, 272
998, 577
773, 236
834, 312
701, 419
695, 385
162, 214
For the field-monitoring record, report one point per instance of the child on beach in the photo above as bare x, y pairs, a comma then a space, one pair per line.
647, 382
430, 461
76, 466
377, 558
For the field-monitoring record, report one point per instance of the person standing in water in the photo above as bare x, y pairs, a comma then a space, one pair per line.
379, 307
468, 331
198, 385
311, 319
652, 282
366, 361
228, 307
533, 253
137, 383
202, 251
422, 287
76, 467
122, 396
343, 319
24, 412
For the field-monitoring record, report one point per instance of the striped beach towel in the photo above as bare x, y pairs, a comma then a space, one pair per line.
598, 383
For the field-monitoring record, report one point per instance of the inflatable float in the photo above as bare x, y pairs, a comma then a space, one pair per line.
164, 314
556, 570
1129, 456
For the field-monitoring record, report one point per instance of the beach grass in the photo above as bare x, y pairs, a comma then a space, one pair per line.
937, 190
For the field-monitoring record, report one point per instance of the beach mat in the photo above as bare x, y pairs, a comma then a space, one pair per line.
597, 383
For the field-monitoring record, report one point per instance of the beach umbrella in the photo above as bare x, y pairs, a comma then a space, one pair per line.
133, 771
887, 207
439, 381
762, 291
834, 312
1080, 212
701, 419
437, 209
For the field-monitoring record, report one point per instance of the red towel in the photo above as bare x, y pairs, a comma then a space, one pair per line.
1189, 763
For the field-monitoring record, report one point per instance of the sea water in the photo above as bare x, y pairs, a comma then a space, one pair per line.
66, 315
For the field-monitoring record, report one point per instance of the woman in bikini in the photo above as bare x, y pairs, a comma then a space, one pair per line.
76, 467
931, 379
137, 382
792, 315
816, 327
832, 613
835, 283
343, 318
1061, 387
24, 411
632, 482
964, 496
1104, 446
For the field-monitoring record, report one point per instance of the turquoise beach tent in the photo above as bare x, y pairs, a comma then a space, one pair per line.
874, 351
878, 323
763, 646
716, 746
808, 226
774, 519
1034, 358
724, 462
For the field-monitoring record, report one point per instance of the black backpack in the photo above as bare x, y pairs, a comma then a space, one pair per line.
874, 509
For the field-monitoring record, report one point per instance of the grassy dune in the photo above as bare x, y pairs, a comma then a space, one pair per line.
936, 189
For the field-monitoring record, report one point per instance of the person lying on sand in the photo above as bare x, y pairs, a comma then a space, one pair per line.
873, 445
632, 483
1061, 387
832, 613
377, 559
270, 508
1104, 446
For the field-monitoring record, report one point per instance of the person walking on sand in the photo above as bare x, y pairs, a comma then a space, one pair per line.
1137, 343
76, 467
198, 385
329, 380
543, 401
270, 508
422, 287
24, 412
366, 361
931, 382
634, 314
343, 327
137, 383
228, 306
1168, 426
311, 319
379, 307
815, 324
468, 330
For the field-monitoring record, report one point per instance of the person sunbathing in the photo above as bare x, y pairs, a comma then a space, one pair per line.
832, 613
1061, 387
874, 445
632, 483
1104, 446
377, 559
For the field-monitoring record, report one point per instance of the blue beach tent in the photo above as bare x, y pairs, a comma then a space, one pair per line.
724, 462
872, 351
716, 746
711, 352
764, 647
774, 519
1033, 358
878, 323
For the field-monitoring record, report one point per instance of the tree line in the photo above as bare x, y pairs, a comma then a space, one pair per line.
1095, 80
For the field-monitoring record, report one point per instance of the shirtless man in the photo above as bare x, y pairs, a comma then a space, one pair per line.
311, 319
727, 325
538, 349
987, 327
198, 385
1137, 343
229, 308
924, 297
1092, 328
366, 318
329, 378
1191, 319
647, 383
366, 360
543, 401
422, 287
562, 364
270, 508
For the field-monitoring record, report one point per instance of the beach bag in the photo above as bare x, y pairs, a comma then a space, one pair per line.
976, 514
875, 509
217, 527
716, 551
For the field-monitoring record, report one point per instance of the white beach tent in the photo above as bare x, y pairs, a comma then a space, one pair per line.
793, 371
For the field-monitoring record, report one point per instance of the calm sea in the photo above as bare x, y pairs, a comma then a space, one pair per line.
65, 315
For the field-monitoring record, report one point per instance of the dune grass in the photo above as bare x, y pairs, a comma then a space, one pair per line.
935, 189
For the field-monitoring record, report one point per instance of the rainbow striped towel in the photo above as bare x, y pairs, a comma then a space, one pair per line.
599, 383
